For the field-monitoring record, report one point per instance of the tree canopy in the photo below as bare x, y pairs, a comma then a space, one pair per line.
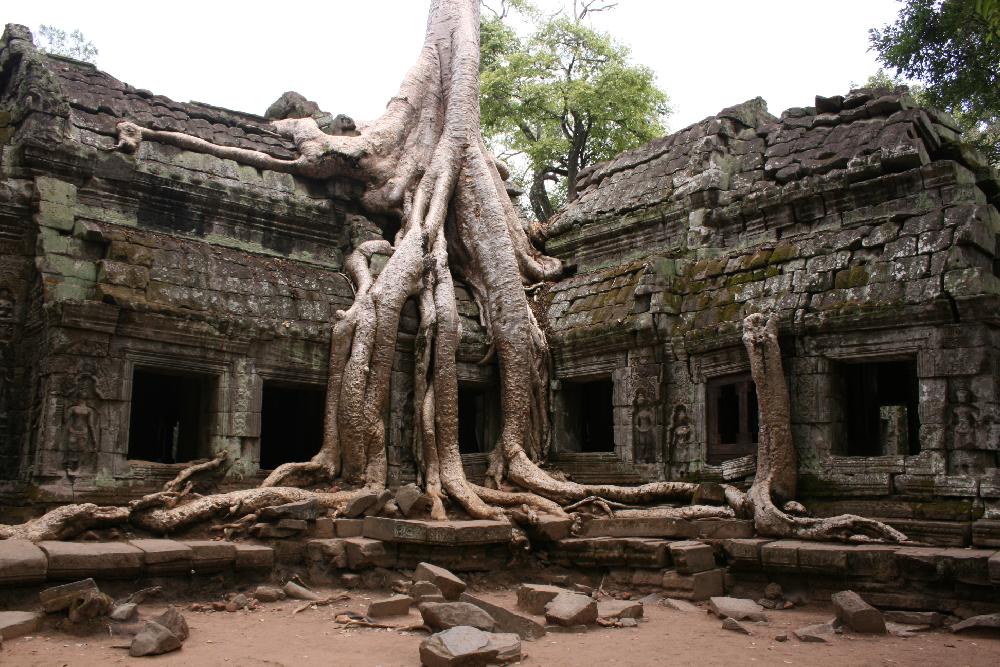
51, 39
953, 49
565, 97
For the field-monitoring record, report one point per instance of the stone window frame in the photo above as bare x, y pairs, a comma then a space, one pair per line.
191, 364
705, 367
603, 367
273, 373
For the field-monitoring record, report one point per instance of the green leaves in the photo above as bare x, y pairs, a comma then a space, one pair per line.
51, 39
565, 97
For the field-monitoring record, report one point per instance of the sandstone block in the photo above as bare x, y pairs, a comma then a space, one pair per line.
469, 647
690, 556
698, 586
981, 622
818, 633
451, 586
411, 501
425, 591
349, 527
645, 527
164, 556
931, 618
322, 528
363, 553
857, 614
444, 615
153, 639
744, 551
508, 621
614, 609
737, 608
253, 556
568, 609
211, 555
302, 510
110, 560
397, 605
360, 504
532, 598
265, 593
437, 532
18, 623
21, 562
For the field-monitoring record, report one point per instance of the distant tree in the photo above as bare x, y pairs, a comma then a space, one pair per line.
564, 97
51, 39
953, 48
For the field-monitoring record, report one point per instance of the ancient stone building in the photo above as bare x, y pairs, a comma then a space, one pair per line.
160, 307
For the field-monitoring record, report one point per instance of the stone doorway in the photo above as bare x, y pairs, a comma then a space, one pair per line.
291, 423
169, 416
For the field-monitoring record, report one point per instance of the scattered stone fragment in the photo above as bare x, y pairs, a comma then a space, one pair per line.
238, 602
451, 586
174, 621
411, 501
679, 605
734, 625
265, 593
61, 597
293, 590
737, 608
508, 621
816, 633
153, 639
619, 609
444, 615
571, 609
931, 618
18, 623
397, 605
425, 591
981, 622
469, 647
532, 598
125, 613
857, 614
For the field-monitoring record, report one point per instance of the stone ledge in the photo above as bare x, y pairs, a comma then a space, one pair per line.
211, 555
164, 556
105, 560
437, 532
21, 562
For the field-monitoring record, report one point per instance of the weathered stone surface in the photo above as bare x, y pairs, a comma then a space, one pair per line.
364, 553
425, 591
18, 623
469, 647
61, 597
857, 614
153, 639
126, 613
744, 551
265, 593
929, 618
609, 608
349, 527
89, 605
253, 556
110, 560
698, 586
568, 609
211, 555
532, 598
303, 510
174, 621
820, 633
164, 556
737, 608
21, 562
982, 622
647, 527
411, 501
397, 605
729, 623
508, 621
437, 532
691, 556
450, 585
360, 504
444, 615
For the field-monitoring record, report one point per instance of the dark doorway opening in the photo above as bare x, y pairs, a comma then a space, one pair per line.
291, 423
732, 415
589, 416
478, 418
881, 401
168, 418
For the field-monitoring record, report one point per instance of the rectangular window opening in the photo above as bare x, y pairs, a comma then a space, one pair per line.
478, 418
169, 416
733, 421
291, 423
589, 416
880, 401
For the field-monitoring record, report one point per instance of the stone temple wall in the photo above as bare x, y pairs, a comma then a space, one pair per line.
862, 222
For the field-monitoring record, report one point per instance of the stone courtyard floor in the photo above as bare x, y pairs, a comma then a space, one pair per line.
273, 635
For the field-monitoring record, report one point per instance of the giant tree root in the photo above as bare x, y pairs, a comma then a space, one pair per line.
66, 522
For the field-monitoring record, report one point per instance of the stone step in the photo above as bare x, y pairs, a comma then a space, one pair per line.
415, 531
668, 527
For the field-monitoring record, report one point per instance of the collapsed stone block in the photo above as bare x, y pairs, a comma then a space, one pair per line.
508, 621
469, 647
58, 598
690, 556
450, 585
444, 615
397, 605
857, 614
697, 586
533, 597
568, 609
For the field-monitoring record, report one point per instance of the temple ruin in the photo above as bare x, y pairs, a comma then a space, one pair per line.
163, 307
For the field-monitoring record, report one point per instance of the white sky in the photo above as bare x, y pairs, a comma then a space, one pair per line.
350, 56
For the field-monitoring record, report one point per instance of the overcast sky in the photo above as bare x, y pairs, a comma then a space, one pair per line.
350, 56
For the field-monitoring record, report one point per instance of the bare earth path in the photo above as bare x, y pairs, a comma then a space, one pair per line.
273, 636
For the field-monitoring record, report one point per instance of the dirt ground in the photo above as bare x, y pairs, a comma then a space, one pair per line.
272, 635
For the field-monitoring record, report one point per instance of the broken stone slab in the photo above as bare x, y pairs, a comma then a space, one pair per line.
571, 609
153, 639
61, 597
532, 598
730, 623
857, 614
211, 555
397, 605
18, 623
360, 504
125, 613
451, 586
444, 615
816, 633
981, 622
164, 557
174, 621
414, 531
265, 593
904, 630
411, 501
740, 609
363, 552
697, 586
106, 560
302, 510
905, 617
297, 592
252, 556
507, 621
21, 563
679, 605
469, 647
690, 556
425, 591
613, 609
